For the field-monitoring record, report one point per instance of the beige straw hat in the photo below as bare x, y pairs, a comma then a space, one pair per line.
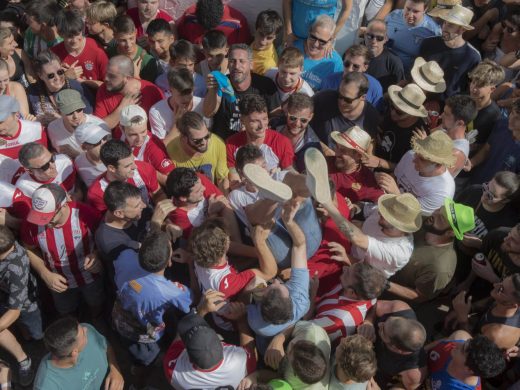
402, 211
443, 7
460, 16
437, 148
409, 99
428, 75
354, 138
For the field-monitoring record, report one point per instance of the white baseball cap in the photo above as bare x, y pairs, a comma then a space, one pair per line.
90, 133
46, 200
129, 113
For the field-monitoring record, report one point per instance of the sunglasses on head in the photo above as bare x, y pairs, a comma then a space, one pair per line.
60, 72
47, 165
378, 38
347, 99
199, 141
314, 38
293, 118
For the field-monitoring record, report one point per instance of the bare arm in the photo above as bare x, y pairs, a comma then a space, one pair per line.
346, 7
267, 263
385, 9
8, 318
404, 292
212, 101
114, 379
491, 15
27, 65
287, 17
299, 250
351, 231
459, 162
413, 378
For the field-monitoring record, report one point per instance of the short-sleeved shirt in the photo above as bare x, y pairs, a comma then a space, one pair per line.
500, 260
134, 15
27, 132
263, 60
153, 152
87, 171
387, 68
485, 121
224, 278
302, 86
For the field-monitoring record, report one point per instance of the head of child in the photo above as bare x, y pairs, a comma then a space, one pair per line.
181, 85
183, 55
209, 243
155, 252
160, 38
268, 26
125, 35
290, 67
100, 17
215, 48
484, 80
248, 154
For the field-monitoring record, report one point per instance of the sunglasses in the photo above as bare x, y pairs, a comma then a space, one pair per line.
348, 64
60, 72
47, 165
378, 38
321, 42
199, 141
490, 196
104, 139
303, 121
347, 99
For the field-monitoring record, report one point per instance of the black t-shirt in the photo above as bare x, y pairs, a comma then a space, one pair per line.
456, 63
500, 260
387, 68
485, 121
328, 118
226, 121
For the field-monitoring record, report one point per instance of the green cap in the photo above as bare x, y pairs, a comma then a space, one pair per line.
460, 217
68, 101
278, 384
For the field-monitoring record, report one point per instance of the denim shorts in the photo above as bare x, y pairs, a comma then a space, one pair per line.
68, 301
31, 321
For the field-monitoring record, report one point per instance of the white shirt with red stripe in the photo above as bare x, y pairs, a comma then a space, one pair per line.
340, 316
10, 169
238, 362
8, 194
64, 248
144, 178
27, 132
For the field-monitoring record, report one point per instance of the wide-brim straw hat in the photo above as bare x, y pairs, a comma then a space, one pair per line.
443, 7
437, 148
428, 75
402, 211
409, 99
460, 16
354, 138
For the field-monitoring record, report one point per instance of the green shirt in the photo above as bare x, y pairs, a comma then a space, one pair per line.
150, 68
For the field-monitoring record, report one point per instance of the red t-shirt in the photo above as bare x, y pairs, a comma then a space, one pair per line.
277, 149
92, 59
144, 178
233, 25
134, 15
107, 102
27, 132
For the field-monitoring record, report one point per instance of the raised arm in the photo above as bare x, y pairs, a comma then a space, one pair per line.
267, 263
299, 250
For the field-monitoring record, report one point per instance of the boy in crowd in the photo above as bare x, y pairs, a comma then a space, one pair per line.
215, 48
100, 18
268, 26
143, 15
160, 38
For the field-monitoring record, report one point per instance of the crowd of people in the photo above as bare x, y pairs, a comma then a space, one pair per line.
278, 194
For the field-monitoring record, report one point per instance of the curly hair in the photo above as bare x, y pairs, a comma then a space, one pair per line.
209, 13
484, 357
252, 103
356, 358
209, 243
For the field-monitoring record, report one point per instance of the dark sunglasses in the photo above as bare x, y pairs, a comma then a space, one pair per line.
378, 38
47, 165
347, 99
199, 141
314, 38
60, 72
293, 118
348, 63
104, 139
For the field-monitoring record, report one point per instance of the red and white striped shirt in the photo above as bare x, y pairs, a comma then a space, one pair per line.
27, 132
340, 316
64, 248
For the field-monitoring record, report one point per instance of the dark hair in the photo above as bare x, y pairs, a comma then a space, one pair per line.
48, 13
60, 336
425, 2
513, 15
300, 101
34, 8
182, 49
268, 22
359, 79
190, 120
69, 24
214, 39
43, 58
275, 308
357, 51
209, 13
515, 278
123, 24
155, 251
113, 151
6, 239
157, 26
462, 107
484, 357
370, 281
252, 103
181, 80
308, 362
247, 154
208, 243
180, 181
117, 193
29, 151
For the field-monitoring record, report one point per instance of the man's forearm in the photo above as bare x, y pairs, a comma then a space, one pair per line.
403, 292
37, 263
211, 103
351, 231
8, 318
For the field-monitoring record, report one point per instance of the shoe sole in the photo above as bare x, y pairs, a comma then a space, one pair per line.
317, 179
267, 186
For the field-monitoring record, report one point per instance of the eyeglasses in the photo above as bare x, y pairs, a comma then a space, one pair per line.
104, 139
348, 64
347, 99
199, 141
47, 165
371, 37
490, 196
60, 72
321, 42
293, 118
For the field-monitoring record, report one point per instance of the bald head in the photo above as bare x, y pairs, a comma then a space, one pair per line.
124, 65
405, 334
375, 37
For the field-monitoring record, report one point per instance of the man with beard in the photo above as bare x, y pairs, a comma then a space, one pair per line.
226, 114
433, 262
61, 130
454, 55
121, 89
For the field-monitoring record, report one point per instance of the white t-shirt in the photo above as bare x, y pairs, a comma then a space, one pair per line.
86, 170
62, 139
429, 191
162, 117
389, 254
304, 87
9, 168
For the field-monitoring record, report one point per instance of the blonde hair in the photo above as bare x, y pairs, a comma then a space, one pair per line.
291, 57
101, 12
5, 33
487, 73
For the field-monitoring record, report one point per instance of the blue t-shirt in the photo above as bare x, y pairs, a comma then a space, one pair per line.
305, 12
406, 41
374, 93
87, 374
315, 71
127, 267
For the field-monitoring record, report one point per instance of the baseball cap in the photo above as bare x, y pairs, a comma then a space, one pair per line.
202, 343
90, 133
130, 112
8, 105
46, 200
68, 101
460, 217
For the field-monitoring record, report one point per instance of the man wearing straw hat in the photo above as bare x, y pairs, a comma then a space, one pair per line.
454, 55
424, 172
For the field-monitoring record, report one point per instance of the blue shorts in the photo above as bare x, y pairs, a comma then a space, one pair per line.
31, 321
143, 354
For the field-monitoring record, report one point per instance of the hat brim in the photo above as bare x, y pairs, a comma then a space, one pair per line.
337, 138
448, 18
418, 148
438, 12
70, 108
96, 137
419, 80
396, 222
393, 91
38, 218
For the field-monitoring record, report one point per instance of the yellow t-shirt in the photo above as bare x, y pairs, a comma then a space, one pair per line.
212, 163
263, 60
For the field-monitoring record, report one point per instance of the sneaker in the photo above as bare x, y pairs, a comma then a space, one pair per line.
317, 179
267, 187
25, 372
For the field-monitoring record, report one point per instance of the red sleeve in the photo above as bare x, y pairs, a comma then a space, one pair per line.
69, 183
211, 189
230, 155
101, 110
164, 15
180, 218
59, 50
149, 176
286, 152
21, 205
89, 215
234, 282
232, 144
158, 157
251, 360
171, 356
95, 197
